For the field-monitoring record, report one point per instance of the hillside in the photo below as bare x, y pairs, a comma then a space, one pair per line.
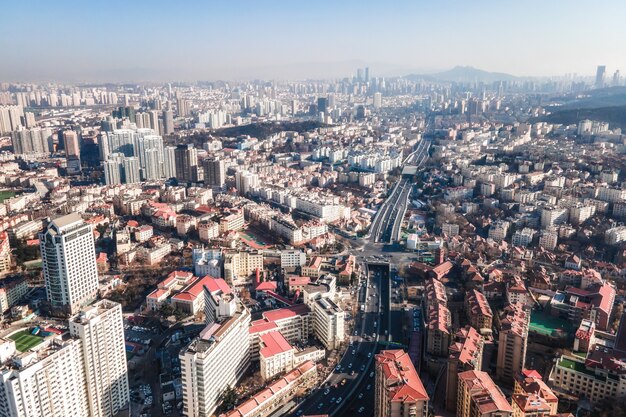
614, 115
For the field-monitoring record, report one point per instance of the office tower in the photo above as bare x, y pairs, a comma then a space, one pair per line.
378, 100
398, 389
131, 170
101, 330
367, 74
479, 396
331, 101
359, 74
600, 74
10, 118
466, 354
70, 141
36, 141
168, 122
512, 342
215, 360
322, 105
69, 262
245, 181
169, 162
214, 172
186, 157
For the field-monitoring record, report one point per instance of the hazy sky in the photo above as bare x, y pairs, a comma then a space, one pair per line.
132, 40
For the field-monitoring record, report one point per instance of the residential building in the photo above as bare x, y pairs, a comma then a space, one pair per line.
276, 354
513, 338
292, 258
238, 266
5, 253
466, 354
478, 311
215, 361
479, 396
399, 391
328, 323
12, 290
101, 329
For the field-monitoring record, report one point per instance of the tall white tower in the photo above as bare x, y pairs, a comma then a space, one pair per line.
69, 262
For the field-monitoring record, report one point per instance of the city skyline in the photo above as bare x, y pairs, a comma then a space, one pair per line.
278, 40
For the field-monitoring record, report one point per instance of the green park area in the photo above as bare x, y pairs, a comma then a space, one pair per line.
6, 194
24, 340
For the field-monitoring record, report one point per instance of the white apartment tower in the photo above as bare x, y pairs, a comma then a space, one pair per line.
215, 361
69, 262
101, 330
81, 374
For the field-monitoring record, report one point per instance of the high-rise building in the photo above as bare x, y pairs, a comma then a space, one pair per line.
214, 172
479, 396
466, 354
378, 100
169, 162
149, 149
101, 330
34, 142
245, 181
70, 141
399, 391
183, 107
600, 75
82, 373
168, 122
186, 162
367, 74
131, 170
513, 339
322, 105
69, 262
10, 118
112, 171
215, 360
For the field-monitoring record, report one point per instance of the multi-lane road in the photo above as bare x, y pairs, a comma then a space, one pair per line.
352, 377
386, 225
349, 389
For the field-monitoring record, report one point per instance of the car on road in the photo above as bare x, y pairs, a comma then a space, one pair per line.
372, 374
339, 400
350, 366
360, 396
320, 405
362, 368
333, 400
369, 387
354, 351
326, 391
343, 381
361, 410
369, 354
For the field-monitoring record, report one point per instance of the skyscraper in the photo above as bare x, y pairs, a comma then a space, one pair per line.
214, 172
367, 74
131, 170
322, 105
69, 262
186, 157
600, 74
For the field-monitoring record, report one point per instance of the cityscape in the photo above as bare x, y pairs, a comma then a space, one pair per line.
284, 221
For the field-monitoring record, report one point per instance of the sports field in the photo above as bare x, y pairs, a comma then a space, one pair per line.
24, 340
546, 325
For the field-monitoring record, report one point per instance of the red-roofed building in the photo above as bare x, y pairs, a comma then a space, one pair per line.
276, 354
479, 396
191, 298
293, 323
398, 386
594, 303
175, 280
277, 393
529, 384
478, 310
466, 354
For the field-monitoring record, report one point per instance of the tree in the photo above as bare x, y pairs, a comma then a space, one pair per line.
228, 398
166, 310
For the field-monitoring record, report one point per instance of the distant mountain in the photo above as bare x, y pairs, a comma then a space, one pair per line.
461, 74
